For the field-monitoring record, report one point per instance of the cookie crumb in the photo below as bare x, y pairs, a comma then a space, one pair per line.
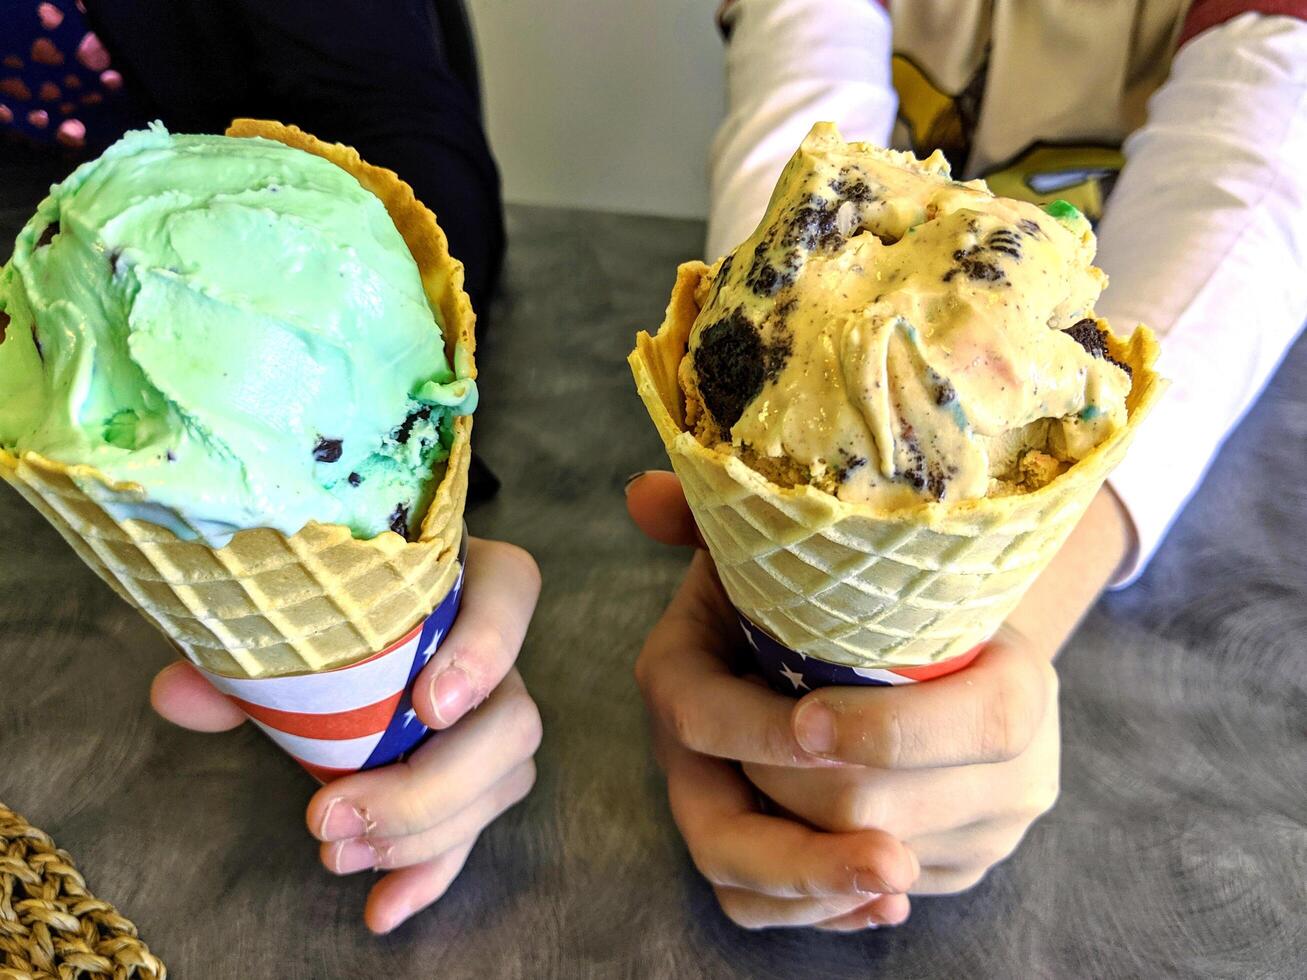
1087, 334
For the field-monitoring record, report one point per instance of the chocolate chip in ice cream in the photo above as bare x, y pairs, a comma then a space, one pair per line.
944, 391
355, 479
849, 467
925, 477
47, 236
327, 450
399, 520
406, 427
4, 325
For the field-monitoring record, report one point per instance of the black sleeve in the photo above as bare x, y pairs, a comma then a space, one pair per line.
372, 75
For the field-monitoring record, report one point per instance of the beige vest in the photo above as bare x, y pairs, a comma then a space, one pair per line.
1034, 95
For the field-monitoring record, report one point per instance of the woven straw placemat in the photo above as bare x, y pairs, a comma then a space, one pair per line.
51, 927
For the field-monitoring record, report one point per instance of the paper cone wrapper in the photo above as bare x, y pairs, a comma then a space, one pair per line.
794, 674
850, 584
359, 716
268, 605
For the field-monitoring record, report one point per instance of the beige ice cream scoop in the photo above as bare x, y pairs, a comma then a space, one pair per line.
890, 406
891, 336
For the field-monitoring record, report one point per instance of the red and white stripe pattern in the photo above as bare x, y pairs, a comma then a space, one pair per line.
351, 718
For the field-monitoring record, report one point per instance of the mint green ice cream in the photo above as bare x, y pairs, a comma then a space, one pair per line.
236, 326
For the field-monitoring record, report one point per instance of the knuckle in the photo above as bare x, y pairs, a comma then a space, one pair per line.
643, 671
685, 725
1045, 797
706, 863
808, 876
869, 857
965, 879
524, 564
995, 849
778, 745
889, 733
514, 789
487, 640
833, 907
1050, 681
413, 812
527, 781
738, 908
855, 808
527, 727
1008, 721
657, 686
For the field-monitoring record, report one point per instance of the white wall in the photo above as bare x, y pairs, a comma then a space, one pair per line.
603, 104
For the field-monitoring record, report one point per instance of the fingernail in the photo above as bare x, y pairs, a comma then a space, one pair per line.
899, 921
626, 487
871, 885
340, 822
814, 727
355, 855
451, 694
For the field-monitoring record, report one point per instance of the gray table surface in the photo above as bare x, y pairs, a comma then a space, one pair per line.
1178, 848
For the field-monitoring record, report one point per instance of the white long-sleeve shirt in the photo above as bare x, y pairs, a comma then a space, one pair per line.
1204, 236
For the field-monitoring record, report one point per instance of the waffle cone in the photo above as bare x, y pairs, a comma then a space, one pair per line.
268, 604
850, 583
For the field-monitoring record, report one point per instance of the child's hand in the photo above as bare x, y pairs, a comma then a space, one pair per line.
920, 789
422, 816
957, 768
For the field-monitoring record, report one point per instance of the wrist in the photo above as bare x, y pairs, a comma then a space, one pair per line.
1086, 564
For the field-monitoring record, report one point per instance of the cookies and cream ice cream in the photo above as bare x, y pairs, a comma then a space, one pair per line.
235, 326
890, 335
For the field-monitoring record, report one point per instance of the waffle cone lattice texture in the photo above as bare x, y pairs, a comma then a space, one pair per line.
51, 927
266, 604
852, 584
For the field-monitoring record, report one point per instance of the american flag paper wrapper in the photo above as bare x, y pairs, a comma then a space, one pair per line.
355, 717
795, 674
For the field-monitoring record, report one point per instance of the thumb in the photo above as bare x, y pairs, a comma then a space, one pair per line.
656, 503
181, 695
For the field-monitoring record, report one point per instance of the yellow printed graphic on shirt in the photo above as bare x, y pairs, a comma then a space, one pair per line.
931, 119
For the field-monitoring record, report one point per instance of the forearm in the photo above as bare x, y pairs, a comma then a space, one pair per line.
1205, 240
791, 63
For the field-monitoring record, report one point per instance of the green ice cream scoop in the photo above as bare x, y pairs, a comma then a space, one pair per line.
236, 326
